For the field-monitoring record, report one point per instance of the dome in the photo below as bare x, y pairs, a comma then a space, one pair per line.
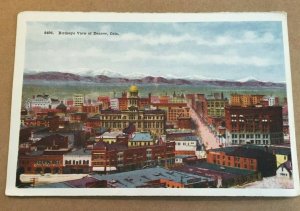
133, 88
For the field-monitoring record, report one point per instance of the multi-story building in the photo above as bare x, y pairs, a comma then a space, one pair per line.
245, 100
254, 125
78, 100
144, 120
245, 157
114, 103
270, 100
51, 122
185, 123
186, 145
141, 139
200, 106
77, 162
216, 105
109, 137
42, 101
119, 157
78, 117
104, 102
131, 100
36, 163
174, 111
90, 109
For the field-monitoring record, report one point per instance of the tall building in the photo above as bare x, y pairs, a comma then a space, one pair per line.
131, 100
215, 105
114, 103
133, 97
174, 111
255, 125
78, 100
245, 100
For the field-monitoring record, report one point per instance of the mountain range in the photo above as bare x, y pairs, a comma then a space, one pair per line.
109, 78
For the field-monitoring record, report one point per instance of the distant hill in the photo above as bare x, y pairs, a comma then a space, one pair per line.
70, 77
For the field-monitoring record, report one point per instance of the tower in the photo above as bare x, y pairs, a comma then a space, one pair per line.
133, 97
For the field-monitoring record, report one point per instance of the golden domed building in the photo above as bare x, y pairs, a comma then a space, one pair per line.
133, 97
133, 88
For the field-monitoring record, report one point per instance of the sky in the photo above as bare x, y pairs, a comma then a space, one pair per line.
199, 50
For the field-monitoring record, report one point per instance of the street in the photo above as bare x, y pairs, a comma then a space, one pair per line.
208, 138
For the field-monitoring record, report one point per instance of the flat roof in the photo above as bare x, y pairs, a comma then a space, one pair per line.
112, 134
54, 185
81, 151
253, 149
142, 136
141, 177
187, 138
226, 169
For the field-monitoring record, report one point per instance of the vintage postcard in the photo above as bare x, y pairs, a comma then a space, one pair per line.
137, 104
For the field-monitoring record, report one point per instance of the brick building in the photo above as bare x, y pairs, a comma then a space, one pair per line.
174, 111
245, 100
255, 125
36, 163
118, 157
78, 117
90, 109
245, 157
52, 122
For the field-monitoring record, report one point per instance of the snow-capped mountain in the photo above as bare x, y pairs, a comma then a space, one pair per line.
116, 78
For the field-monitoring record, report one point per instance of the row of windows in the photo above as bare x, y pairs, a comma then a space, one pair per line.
84, 162
249, 135
47, 162
185, 143
251, 141
132, 117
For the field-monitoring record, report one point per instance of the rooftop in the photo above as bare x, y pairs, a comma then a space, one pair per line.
187, 138
82, 151
141, 136
141, 177
176, 131
115, 146
254, 149
112, 134
230, 170
54, 185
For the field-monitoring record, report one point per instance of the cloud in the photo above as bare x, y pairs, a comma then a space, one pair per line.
225, 58
247, 37
140, 48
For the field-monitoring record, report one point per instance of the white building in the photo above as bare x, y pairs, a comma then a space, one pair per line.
78, 161
114, 103
42, 101
186, 145
285, 170
109, 137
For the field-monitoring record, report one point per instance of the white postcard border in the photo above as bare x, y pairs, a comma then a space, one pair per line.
25, 17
